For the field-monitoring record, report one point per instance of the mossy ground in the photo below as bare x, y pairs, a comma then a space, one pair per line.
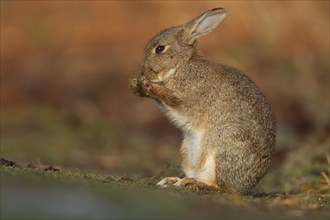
33, 193
111, 173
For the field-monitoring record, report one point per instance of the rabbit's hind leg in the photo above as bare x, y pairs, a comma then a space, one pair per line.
192, 183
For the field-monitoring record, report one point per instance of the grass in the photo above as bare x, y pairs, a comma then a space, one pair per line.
107, 173
28, 193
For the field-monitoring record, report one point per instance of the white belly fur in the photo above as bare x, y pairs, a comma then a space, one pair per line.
193, 139
207, 173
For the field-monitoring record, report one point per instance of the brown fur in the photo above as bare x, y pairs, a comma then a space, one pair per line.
228, 125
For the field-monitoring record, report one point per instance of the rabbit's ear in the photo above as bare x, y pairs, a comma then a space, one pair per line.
203, 24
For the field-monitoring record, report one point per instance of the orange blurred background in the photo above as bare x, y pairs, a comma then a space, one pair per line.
65, 66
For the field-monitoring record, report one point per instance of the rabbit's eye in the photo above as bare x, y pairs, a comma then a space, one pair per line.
160, 48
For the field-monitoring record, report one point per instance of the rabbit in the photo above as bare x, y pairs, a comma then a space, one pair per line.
228, 126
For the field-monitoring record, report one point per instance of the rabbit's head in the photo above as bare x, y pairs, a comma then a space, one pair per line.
174, 46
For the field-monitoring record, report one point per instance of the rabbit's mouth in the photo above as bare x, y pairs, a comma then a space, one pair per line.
165, 75
159, 76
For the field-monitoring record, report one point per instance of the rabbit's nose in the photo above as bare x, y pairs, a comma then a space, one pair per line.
145, 66
142, 69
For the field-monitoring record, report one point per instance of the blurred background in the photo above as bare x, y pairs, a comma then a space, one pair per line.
65, 66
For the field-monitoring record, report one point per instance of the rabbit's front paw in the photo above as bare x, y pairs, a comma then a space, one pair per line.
145, 86
134, 87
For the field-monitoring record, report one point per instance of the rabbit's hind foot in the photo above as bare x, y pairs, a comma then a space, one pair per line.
168, 181
192, 183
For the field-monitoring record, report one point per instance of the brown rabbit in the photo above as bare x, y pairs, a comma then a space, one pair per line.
228, 126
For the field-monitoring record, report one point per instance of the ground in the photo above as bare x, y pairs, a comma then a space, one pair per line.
51, 192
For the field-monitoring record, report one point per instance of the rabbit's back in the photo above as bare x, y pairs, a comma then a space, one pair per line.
212, 89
